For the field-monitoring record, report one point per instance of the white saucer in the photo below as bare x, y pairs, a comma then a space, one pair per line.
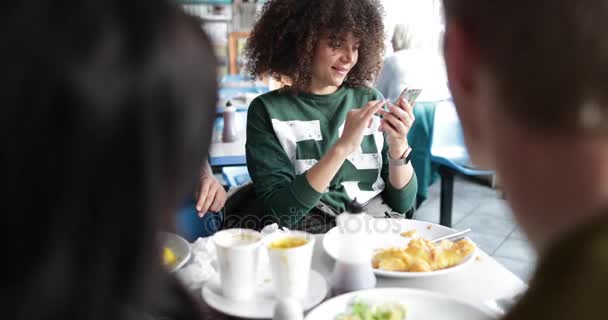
262, 304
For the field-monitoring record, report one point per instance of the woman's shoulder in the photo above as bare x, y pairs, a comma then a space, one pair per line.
271, 97
266, 100
367, 93
270, 104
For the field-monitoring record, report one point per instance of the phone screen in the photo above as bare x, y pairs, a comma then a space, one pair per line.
410, 95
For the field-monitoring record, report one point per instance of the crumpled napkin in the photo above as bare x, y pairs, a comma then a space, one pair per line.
202, 266
272, 228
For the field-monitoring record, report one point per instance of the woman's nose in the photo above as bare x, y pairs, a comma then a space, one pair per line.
347, 56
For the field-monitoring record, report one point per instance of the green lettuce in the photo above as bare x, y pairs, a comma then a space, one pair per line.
360, 310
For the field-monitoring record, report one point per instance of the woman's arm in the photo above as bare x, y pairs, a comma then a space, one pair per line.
402, 179
400, 175
321, 174
284, 194
210, 194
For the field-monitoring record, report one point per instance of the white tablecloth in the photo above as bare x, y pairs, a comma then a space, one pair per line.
482, 281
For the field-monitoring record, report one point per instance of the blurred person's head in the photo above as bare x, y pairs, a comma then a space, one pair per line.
106, 114
318, 42
529, 82
402, 38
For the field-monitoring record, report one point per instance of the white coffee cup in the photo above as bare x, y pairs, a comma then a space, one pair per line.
237, 255
290, 267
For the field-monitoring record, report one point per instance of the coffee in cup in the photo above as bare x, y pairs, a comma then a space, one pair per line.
237, 255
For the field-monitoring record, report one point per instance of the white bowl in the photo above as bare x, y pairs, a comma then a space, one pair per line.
385, 233
180, 247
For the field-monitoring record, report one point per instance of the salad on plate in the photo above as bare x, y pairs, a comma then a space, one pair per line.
362, 310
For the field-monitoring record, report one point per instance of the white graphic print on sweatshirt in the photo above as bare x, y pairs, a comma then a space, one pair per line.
289, 133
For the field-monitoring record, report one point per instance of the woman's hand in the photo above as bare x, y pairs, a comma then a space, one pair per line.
211, 195
356, 122
397, 123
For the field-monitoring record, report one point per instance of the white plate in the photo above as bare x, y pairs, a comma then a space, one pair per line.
180, 247
385, 233
262, 305
419, 304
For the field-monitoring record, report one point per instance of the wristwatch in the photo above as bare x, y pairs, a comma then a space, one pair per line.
405, 158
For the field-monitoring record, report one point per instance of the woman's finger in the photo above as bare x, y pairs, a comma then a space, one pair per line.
220, 198
399, 113
403, 104
202, 195
383, 112
373, 108
209, 199
409, 109
217, 204
389, 129
396, 123
370, 114
363, 110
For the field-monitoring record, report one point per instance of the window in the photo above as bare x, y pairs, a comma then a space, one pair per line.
422, 17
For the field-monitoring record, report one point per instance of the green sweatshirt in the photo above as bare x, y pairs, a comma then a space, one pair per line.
287, 134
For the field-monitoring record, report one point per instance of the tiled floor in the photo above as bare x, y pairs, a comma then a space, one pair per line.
481, 208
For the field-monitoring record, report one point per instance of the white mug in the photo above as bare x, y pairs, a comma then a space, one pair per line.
290, 267
237, 255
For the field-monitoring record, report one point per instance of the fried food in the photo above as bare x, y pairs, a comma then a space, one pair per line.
422, 255
410, 234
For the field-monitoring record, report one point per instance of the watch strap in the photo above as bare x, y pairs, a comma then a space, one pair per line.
405, 158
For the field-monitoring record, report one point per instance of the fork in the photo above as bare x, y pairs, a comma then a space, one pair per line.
458, 234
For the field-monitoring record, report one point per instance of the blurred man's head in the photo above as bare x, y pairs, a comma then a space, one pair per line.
402, 38
106, 114
529, 80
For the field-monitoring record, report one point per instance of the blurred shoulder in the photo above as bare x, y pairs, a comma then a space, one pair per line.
367, 93
267, 100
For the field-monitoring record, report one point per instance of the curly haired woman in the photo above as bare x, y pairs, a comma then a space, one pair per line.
317, 144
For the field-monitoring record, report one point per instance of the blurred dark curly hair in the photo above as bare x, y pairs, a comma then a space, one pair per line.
283, 39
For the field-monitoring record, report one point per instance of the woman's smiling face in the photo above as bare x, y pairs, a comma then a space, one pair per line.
332, 61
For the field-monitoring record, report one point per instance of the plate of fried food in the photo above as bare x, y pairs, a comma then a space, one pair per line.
402, 248
175, 251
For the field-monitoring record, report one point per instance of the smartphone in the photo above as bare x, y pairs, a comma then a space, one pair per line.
410, 95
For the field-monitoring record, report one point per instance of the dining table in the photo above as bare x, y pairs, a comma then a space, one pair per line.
481, 282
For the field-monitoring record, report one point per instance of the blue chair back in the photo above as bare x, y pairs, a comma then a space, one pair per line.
447, 141
236, 176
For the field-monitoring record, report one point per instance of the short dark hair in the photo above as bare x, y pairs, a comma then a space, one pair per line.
284, 38
106, 115
549, 58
